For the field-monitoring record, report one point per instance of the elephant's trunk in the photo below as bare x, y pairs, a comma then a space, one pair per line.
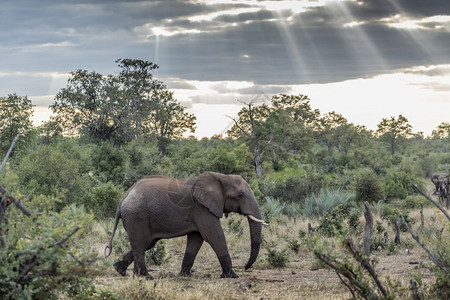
255, 238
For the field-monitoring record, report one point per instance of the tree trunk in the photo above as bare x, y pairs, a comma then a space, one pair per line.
397, 233
368, 229
258, 159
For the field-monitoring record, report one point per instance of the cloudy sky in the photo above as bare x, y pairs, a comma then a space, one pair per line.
367, 59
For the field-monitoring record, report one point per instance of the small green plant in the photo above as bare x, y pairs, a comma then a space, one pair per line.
277, 259
353, 218
158, 255
294, 245
235, 226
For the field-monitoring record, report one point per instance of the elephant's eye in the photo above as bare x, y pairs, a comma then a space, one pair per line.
240, 195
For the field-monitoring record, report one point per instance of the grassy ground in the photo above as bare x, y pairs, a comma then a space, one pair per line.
301, 279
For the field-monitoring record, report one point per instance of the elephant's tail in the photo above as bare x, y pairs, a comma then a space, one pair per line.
108, 248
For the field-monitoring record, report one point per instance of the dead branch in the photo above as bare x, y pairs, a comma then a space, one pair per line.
415, 293
431, 200
9, 197
397, 233
368, 229
9, 152
347, 285
433, 257
366, 265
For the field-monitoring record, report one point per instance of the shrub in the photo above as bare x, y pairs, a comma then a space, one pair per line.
277, 259
414, 202
398, 185
294, 245
104, 199
47, 255
157, 255
110, 163
235, 226
50, 171
319, 204
368, 187
271, 208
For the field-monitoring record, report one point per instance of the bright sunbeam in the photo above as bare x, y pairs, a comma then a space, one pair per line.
292, 46
419, 39
365, 44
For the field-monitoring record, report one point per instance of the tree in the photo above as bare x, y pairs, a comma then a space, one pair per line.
284, 126
292, 122
335, 132
15, 119
87, 106
394, 129
250, 125
139, 91
442, 131
168, 119
109, 108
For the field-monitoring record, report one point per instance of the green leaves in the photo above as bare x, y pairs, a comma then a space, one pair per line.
46, 254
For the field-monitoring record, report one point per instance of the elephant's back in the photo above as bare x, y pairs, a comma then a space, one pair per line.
151, 194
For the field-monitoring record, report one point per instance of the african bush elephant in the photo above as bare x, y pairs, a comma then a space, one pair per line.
158, 207
437, 179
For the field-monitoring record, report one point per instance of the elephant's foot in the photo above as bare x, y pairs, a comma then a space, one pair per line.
121, 267
186, 274
230, 274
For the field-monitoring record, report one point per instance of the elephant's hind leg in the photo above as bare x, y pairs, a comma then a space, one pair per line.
194, 242
140, 240
122, 266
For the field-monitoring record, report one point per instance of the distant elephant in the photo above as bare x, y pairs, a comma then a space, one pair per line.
437, 178
442, 192
158, 207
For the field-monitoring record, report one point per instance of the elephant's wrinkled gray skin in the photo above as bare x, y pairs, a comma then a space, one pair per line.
159, 207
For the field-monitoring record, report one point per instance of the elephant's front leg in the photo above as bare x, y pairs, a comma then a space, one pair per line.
194, 242
216, 238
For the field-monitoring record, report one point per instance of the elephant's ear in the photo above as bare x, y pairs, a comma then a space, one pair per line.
208, 191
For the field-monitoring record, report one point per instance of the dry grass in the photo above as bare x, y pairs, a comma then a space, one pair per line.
300, 280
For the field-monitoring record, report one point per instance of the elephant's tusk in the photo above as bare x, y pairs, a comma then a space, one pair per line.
257, 220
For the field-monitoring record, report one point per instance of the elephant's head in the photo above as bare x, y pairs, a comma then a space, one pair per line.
222, 193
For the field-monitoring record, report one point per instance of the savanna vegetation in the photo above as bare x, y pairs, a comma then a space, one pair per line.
311, 173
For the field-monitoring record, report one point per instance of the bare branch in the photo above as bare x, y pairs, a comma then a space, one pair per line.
432, 201
365, 263
9, 152
430, 254
368, 229
15, 201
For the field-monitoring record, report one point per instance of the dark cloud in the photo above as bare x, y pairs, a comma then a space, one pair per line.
315, 46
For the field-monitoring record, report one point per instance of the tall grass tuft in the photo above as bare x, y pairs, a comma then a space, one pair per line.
317, 205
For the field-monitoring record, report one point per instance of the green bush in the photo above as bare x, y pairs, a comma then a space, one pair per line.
294, 245
50, 171
317, 205
272, 208
104, 199
110, 163
368, 187
415, 202
157, 255
46, 255
277, 259
235, 226
398, 185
